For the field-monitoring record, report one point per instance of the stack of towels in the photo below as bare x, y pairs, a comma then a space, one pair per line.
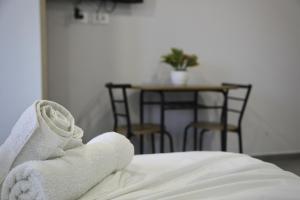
44, 157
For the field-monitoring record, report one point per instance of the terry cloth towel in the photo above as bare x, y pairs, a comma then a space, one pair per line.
43, 131
70, 176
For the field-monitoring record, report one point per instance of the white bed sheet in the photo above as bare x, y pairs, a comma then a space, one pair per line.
197, 175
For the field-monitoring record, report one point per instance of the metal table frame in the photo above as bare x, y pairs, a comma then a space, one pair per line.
161, 90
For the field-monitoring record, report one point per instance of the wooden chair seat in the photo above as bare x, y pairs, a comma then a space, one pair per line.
140, 129
215, 126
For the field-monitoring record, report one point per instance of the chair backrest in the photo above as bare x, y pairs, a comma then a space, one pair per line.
116, 102
243, 99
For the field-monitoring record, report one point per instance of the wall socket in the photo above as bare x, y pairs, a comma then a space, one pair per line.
100, 18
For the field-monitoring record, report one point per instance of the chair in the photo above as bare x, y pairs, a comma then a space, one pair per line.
129, 129
219, 126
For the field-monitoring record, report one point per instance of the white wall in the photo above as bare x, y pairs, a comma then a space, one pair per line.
20, 60
247, 41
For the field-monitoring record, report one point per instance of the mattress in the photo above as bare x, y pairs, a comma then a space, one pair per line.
197, 175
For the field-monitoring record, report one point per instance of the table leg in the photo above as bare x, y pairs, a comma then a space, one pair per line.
141, 120
225, 113
162, 121
142, 107
195, 119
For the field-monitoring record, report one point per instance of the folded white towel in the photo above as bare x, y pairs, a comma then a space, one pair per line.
70, 176
43, 131
120, 145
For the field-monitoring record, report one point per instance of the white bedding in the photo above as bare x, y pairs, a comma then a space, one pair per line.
197, 175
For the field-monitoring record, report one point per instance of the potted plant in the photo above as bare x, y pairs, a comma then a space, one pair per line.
180, 62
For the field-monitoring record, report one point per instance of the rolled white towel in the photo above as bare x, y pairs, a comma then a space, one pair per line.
119, 145
43, 131
70, 176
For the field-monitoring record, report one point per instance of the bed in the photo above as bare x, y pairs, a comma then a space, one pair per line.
197, 175
44, 159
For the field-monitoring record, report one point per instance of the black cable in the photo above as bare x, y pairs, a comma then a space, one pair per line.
108, 6
113, 5
100, 5
77, 11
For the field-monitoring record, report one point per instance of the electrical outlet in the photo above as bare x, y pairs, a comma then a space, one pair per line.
101, 18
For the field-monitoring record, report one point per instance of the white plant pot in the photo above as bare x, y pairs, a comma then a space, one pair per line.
179, 77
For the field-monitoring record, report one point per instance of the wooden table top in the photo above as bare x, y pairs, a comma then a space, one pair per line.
174, 88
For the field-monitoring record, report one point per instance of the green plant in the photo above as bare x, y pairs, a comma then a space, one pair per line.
179, 60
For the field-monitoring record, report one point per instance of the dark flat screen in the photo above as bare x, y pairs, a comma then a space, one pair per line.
130, 1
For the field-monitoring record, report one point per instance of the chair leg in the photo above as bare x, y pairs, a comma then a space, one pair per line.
221, 140
141, 144
129, 137
240, 141
195, 139
185, 136
201, 139
153, 143
170, 140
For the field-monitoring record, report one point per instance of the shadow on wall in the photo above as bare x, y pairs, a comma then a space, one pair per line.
96, 115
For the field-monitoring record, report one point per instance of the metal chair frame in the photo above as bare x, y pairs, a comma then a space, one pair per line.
126, 115
241, 112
